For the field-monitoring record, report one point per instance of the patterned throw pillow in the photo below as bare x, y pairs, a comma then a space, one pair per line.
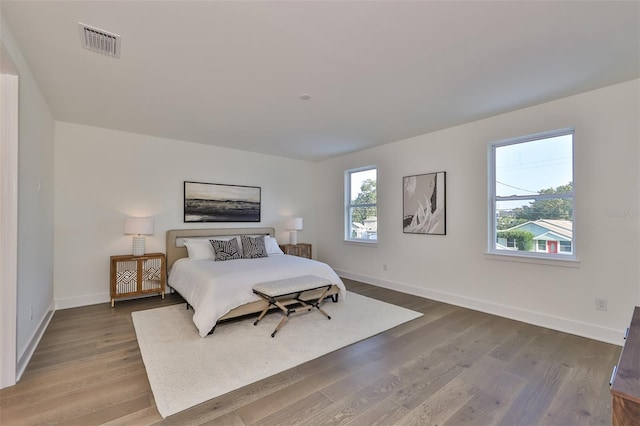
253, 247
226, 249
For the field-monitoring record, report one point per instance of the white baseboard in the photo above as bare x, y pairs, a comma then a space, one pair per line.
76, 301
23, 360
566, 325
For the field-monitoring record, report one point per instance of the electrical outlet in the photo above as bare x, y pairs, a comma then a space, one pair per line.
31, 313
601, 304
384, 266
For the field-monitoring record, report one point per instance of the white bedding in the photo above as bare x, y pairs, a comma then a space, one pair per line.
214, 288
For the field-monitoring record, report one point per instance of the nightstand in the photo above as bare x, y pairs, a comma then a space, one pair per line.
300, 249
137, 275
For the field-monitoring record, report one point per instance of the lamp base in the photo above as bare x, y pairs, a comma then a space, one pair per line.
293, 237
138, 245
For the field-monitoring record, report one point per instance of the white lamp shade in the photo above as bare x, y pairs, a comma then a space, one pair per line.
138, 225
294, 223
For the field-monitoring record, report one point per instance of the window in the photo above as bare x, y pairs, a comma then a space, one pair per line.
565, 247
361, 212
532, 197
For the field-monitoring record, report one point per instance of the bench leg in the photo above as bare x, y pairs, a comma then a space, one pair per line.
319, 301
262, 315
282, 322
322, 312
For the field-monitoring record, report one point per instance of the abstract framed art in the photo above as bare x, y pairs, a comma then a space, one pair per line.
424, 204
213, 202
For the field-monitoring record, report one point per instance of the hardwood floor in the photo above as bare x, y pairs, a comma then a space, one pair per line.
453, 366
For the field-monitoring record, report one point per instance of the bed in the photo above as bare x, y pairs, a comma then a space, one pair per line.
219, 291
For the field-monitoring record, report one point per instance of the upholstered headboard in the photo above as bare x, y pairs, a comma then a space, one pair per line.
177, 250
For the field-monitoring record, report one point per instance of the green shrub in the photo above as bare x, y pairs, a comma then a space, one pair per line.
524, 239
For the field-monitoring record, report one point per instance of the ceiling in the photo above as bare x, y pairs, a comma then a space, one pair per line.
231, 73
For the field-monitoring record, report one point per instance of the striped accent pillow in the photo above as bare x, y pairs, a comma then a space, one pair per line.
226, 249
253, 247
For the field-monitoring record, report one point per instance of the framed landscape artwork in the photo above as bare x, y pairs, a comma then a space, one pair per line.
212, 202
424, 204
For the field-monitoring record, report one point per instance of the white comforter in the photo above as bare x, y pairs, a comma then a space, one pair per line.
214, 288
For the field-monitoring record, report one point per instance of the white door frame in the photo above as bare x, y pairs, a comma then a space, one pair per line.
8, 218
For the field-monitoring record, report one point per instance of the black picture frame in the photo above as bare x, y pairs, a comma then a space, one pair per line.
215, 202
424, 200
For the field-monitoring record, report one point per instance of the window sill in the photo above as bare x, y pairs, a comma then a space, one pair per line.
366, 243
565, 263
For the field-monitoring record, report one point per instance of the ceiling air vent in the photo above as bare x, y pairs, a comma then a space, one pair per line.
99, 41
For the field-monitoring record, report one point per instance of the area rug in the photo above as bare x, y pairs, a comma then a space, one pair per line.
185, 370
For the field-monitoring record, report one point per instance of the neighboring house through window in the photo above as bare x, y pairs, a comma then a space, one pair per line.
361, 204
532, 196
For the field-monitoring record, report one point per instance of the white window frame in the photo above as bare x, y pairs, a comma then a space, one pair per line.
348, 205
560, 245
494, 199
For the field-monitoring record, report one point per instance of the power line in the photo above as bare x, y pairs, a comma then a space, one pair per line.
515, 187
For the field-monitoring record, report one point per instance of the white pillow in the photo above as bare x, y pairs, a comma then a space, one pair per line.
271, 244
199, 249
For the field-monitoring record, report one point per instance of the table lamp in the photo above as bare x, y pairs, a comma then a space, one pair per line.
294, 225
138, 227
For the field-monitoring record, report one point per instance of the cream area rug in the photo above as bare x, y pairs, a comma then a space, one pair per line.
185, 370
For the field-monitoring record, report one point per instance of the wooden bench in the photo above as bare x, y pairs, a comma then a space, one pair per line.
287, 291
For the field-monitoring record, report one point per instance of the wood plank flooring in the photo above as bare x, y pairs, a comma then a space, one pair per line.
453, 366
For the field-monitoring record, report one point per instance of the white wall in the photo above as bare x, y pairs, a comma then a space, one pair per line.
35, 207
454, 268
104, 175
